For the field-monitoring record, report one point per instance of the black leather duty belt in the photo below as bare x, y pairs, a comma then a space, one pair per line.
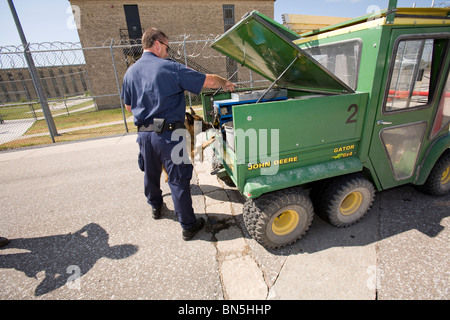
167, 127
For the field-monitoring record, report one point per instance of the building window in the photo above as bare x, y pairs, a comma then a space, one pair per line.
228, 22
133, 22
228, 16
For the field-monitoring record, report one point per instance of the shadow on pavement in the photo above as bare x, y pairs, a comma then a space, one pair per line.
63, 258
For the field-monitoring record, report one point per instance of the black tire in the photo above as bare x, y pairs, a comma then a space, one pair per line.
345, 200
278, 218
438, 181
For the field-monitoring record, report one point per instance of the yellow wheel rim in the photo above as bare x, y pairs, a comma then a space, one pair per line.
285, 223
351, 203
445, 176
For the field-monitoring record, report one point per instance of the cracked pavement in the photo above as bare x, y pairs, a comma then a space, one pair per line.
80, 228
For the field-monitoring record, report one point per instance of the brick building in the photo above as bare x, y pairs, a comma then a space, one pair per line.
100, 21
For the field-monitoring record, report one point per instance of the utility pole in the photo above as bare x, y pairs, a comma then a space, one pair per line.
34, 75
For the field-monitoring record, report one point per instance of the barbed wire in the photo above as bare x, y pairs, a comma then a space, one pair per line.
45, 54
51, 54
198, 45
444, 4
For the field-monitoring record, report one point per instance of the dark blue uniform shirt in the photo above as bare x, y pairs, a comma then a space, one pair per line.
154, 88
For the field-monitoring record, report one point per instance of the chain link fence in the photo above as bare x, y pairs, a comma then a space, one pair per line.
82, 87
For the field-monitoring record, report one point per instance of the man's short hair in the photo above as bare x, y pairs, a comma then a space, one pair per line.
151, 35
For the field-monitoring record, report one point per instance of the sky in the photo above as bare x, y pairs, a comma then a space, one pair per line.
52, 20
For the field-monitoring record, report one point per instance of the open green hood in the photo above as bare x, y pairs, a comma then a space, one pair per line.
266, 47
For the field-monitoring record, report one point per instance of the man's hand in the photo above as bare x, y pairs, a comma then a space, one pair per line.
229, 86
213, 81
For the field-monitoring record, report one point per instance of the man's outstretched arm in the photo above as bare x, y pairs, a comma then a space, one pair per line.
213, 81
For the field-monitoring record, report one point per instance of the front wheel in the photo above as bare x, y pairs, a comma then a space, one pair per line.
438, 182
278, 218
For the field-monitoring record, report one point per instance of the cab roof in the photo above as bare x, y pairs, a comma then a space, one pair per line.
399, 16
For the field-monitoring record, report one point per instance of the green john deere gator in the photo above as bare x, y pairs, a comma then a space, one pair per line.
352, 109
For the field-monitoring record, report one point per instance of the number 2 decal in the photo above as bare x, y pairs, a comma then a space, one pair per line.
352, 117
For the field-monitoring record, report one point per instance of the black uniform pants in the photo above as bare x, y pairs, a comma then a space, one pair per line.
156, 150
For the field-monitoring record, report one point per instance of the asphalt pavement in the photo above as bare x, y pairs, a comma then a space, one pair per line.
80, 228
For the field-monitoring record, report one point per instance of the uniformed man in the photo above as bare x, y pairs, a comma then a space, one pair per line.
153, 90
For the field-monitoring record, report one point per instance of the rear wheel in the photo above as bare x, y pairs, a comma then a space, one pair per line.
278, 218
438, 182
345, 200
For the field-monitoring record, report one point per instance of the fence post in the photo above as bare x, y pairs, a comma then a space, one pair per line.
34, 75
89, 84
118, 85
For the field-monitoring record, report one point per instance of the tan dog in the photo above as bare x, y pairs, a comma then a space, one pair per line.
189, 125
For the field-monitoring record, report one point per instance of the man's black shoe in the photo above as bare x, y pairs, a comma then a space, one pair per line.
156, 213
3, 241
190, 233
